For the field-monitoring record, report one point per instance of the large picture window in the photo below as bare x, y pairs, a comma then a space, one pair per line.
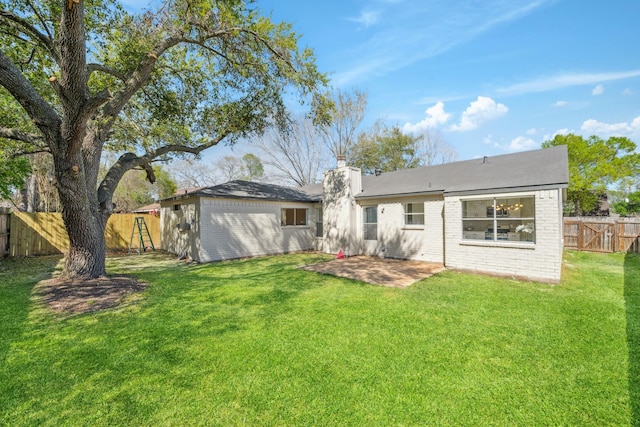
499, 219
414, 213
293, 216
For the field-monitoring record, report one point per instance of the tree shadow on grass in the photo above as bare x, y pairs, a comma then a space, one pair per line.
632, 306
18, 277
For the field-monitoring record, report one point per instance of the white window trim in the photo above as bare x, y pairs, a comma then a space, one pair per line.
306, 219
495, 242
406, 226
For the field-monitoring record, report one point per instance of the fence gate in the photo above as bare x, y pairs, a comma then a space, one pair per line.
597, 237
602, 235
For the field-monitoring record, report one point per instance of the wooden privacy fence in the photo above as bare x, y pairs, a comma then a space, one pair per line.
602, 234
4, 234
44, 233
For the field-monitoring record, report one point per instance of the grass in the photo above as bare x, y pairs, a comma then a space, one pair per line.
258, 342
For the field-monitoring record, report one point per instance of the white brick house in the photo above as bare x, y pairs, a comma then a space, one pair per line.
500, 215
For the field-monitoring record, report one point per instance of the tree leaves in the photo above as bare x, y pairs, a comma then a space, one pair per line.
595, 164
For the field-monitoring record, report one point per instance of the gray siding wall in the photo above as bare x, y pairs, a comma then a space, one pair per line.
540, 261
237, 228
181, 242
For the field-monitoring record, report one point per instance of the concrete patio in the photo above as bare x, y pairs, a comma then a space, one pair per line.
378, 271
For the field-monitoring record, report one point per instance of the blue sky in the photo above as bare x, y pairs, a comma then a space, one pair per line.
492, 76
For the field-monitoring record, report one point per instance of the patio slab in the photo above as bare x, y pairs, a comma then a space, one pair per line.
378, 271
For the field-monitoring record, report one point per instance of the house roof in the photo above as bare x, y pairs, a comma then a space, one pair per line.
240, 189
510, 172
147, 208
545, 168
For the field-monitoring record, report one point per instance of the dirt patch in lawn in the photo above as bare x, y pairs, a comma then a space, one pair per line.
378, 271
84, 296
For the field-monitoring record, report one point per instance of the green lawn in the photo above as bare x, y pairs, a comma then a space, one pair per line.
258, 342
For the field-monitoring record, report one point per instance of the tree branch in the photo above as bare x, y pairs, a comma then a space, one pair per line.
18, 135
42, 21
130, 160
46, 41
107, 70
42, 114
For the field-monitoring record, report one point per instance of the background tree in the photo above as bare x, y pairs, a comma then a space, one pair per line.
193, 173
229, 168
385, 149
78, 75
435, 150
594, 164
12, 174
134, 190
296, 156
628, 206
341, 135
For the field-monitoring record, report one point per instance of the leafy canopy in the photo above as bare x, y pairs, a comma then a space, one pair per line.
385, 149
594, 164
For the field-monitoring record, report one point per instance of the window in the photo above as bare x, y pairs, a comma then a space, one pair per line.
176, 207
293, 216
319, 222
370, 222
414, 213
499, 219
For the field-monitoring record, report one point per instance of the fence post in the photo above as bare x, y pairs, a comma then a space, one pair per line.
580, 235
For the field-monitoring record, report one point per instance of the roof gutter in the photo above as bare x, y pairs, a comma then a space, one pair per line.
396, 195
506, 189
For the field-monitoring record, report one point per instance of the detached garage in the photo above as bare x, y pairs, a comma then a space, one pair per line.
239, 219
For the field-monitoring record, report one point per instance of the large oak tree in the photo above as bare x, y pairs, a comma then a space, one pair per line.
79, 76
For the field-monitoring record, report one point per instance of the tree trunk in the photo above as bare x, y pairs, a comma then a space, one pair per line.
83, 219
87, 247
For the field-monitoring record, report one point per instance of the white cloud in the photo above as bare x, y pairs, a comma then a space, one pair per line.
549, 137
489, 141
479, 111
532, 131
367, 18
627, 91
522, 143
565, 80
598, 90
560, 103
595, 127
435, 116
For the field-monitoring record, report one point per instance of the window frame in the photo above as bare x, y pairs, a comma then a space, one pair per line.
319, 225
284, 217
406, 215
367, 226
499, 217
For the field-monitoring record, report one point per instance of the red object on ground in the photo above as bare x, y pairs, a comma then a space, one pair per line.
340, 254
